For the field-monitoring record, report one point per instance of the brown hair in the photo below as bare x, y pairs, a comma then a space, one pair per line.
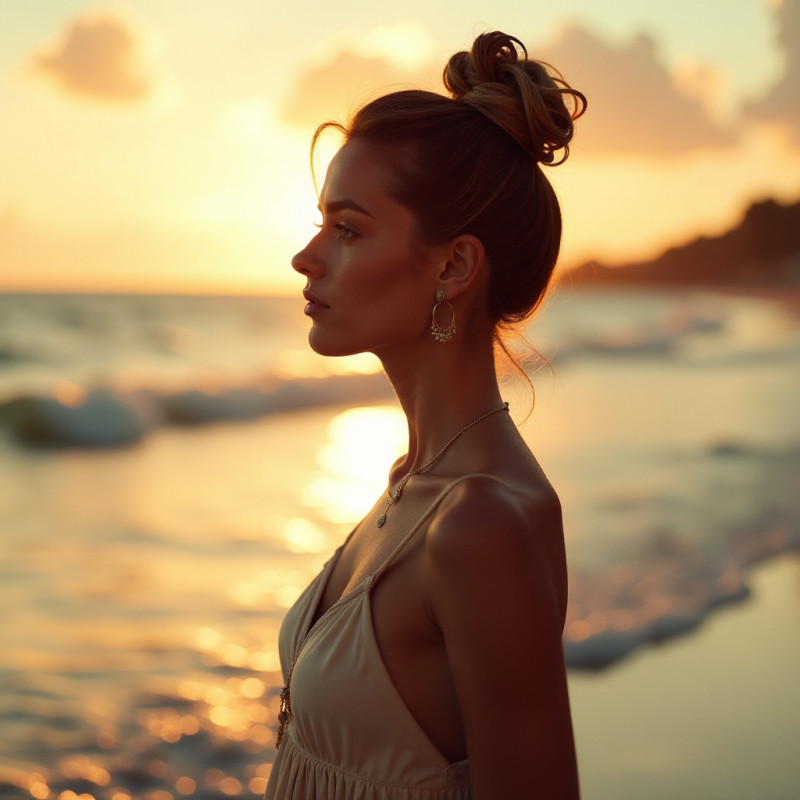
471, 162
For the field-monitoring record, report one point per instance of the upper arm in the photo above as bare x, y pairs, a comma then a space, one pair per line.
495, 598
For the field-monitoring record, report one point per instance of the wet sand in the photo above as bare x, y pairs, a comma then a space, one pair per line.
714, 715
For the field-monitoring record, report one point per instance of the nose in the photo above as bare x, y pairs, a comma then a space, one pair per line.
307, 262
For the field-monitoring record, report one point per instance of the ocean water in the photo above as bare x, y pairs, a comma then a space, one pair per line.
174, 470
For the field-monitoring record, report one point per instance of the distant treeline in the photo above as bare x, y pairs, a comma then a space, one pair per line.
763, 250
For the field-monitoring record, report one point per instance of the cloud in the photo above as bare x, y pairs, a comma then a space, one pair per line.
782, 104
334, 89
407, 45
105, 54
707, 83
352, 69
634, 106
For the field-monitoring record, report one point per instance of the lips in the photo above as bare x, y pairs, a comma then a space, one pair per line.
312, 298
314, 304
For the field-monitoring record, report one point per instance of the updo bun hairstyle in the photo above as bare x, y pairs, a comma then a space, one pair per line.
518, 95
471, 163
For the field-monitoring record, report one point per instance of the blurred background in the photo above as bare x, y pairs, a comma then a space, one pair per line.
175, 465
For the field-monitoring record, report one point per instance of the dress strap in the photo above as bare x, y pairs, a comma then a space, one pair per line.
410, 535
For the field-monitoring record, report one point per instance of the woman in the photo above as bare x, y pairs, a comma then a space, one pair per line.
425, 660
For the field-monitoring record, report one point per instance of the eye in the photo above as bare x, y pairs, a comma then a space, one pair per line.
343, 232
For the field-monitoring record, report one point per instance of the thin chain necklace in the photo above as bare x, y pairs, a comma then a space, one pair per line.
393, 496
285, 711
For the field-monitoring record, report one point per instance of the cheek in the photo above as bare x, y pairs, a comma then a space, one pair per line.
375, 274
396, 290
382, 283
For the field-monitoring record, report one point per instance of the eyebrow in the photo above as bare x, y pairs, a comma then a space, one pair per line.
332, 206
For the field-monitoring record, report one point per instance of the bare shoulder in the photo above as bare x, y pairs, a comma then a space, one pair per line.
495, 542
496, 584
485, 517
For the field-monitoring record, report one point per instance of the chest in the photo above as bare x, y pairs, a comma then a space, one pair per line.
397, 547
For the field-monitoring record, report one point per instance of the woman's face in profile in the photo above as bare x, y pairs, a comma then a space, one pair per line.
368, 288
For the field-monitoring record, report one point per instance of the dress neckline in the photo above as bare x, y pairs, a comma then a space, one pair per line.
313, 619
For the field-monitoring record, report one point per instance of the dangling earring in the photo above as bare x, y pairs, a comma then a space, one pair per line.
439, 333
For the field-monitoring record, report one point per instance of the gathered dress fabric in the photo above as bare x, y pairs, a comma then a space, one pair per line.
350, 735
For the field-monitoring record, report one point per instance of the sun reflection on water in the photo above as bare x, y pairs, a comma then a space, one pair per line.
361, 446
302, 536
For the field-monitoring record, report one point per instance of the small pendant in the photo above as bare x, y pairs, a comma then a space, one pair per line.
283, 721
279, 737
381, 520
283, 713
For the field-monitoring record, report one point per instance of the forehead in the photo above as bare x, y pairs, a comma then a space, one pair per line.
359, 172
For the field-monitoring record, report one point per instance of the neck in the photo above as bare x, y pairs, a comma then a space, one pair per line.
441, 388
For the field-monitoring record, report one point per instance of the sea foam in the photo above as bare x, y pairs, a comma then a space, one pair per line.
106, 417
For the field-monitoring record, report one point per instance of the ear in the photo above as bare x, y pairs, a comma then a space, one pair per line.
463, 263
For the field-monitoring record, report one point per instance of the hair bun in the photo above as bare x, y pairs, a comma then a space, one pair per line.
526, 98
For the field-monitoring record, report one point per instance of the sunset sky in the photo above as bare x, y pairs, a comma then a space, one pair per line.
162, 145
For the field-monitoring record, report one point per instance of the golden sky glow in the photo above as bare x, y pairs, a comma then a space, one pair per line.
147, 146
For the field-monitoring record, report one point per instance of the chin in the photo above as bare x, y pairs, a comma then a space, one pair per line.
340, 342
328, 346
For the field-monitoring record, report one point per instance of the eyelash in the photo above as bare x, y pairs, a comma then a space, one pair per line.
342, 231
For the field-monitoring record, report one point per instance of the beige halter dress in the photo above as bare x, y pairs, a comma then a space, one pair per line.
350, 735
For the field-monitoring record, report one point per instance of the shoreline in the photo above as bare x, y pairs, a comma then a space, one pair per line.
635, 446
710, 714
605, 651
